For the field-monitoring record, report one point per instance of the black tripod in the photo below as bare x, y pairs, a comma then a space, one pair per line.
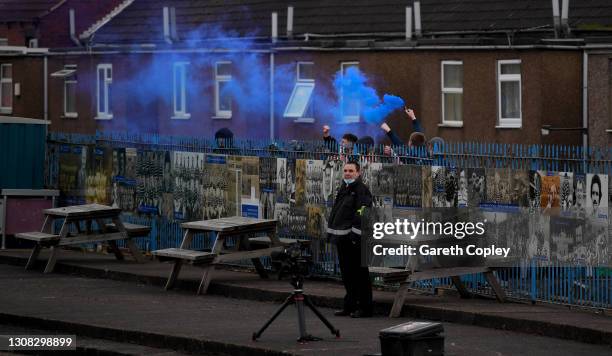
299, 298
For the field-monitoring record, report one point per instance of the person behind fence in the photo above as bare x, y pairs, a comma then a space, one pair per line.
417, 138
224, 138
344, 229
329, 140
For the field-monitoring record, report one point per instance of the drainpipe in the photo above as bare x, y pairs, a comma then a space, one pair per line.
45, 89
274, 37
585, 107
73, 36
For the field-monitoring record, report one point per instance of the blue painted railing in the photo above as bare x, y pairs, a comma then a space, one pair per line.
569, 285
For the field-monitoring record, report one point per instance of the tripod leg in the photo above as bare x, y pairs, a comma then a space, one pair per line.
287, 302
299, 301
321, 317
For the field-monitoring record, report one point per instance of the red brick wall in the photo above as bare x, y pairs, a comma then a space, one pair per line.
551, 93
600, 96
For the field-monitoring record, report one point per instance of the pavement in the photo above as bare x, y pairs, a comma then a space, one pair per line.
122, 302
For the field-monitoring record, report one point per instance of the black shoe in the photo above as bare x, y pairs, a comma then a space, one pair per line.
361, 314
342, 313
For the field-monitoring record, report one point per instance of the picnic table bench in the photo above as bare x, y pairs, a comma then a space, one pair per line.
246, 247
74, 216
406, 276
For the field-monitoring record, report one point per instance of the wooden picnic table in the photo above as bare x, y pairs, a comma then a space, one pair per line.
74, 216
240, 228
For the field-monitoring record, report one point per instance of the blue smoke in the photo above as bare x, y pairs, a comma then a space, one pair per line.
353, 86
150, 82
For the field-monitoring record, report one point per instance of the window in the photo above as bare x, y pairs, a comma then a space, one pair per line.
452, 93
6, 88
223, 98
349, 101
509, 93
180, 95
300, 104
68, 74
105, 79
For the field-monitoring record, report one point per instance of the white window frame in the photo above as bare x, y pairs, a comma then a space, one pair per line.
347, 118
304, 81
512, 122
107, 68
221, 114
179, 73
445, 122
298, 77
3, 80
70, 79
309, 85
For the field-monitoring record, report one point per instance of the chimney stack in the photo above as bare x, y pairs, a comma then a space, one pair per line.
564, 17
556, 18
408, 23
417, 19
289, 21
167, 31
274, 27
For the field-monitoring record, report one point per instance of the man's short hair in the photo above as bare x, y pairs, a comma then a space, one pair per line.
355, 163
224, 133
350, 137
417, 139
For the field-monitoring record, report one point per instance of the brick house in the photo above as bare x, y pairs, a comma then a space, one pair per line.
487, 71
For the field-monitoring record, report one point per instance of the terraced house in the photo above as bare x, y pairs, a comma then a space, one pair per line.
534, 71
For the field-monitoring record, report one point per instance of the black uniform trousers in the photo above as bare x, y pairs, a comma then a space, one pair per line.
356, 279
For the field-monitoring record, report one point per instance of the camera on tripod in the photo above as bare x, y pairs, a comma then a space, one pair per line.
292, 261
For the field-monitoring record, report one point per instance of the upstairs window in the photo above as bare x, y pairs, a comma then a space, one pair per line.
349, 102
105, 79
223, 98
300, 103
180, 95
68, 74
452, 93
509, 93
6, 88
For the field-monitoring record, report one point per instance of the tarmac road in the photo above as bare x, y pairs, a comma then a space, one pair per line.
150, 316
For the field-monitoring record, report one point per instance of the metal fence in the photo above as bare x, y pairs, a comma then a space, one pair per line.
589, 287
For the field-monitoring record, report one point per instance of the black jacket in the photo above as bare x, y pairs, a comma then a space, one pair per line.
345, 217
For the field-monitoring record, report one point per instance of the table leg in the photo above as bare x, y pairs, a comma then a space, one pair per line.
55, 249
47, 225
52, 259
135, 251
118, 254
187, 237
463, 292
499, 292
259, 267
398, 302
176, 269
129, 242
33, 256
206, 278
